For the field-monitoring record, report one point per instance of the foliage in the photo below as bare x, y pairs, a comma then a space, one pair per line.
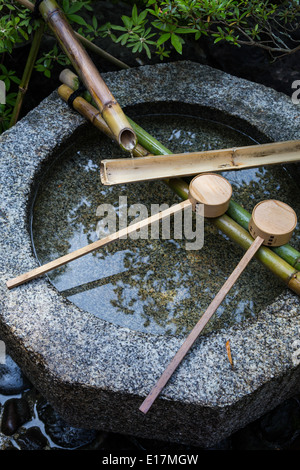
154, 27
165, 24
8, 77
16, 27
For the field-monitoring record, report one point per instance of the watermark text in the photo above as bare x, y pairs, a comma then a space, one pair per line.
296, 93
2, 92
2, 352
185, 224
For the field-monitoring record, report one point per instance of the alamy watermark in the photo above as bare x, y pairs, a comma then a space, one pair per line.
296, 93
2, 352
186, 224
296, 352
2, 92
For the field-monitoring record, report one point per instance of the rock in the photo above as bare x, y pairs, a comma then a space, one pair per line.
60, 432
16, 412
32, 439
12, 380
283, 423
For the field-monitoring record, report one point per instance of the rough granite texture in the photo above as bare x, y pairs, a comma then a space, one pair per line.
96, 374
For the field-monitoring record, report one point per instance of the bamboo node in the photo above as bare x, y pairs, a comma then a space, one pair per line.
52, 13
110, 104
23, 90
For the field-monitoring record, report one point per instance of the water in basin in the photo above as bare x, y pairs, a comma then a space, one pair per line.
149, 285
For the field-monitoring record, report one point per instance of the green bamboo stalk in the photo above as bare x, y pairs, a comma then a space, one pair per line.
228, 226
23, 87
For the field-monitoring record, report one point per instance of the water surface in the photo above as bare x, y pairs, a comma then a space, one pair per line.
151, 285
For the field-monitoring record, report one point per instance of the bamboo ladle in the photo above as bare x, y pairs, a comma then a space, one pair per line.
212, 190
272, 224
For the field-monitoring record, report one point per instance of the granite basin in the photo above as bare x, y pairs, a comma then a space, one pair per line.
96, 373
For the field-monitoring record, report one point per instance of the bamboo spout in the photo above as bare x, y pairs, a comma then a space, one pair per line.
120, 171
105, 101
93, 115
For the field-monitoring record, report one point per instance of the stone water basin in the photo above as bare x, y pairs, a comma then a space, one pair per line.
95, 335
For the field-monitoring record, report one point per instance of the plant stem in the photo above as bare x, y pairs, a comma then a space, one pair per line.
228, 226
23, 87
86, 42
101, 52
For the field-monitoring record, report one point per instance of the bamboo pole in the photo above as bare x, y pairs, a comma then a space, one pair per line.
26, 4
102, 96
23, 87
86, 42
118, 171
94, 117
178, 185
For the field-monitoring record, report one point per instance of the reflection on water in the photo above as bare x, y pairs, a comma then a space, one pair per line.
151, 285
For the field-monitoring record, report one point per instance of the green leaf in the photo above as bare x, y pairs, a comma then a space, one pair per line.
147, 51
134, 14
176, 43
163, 38
95, 22
127, 21
77, 19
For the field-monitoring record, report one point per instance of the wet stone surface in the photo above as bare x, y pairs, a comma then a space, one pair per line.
29, 422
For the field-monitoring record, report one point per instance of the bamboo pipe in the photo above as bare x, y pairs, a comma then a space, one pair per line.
94, 117
26, 4
102, 96
272, 223
120, 171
